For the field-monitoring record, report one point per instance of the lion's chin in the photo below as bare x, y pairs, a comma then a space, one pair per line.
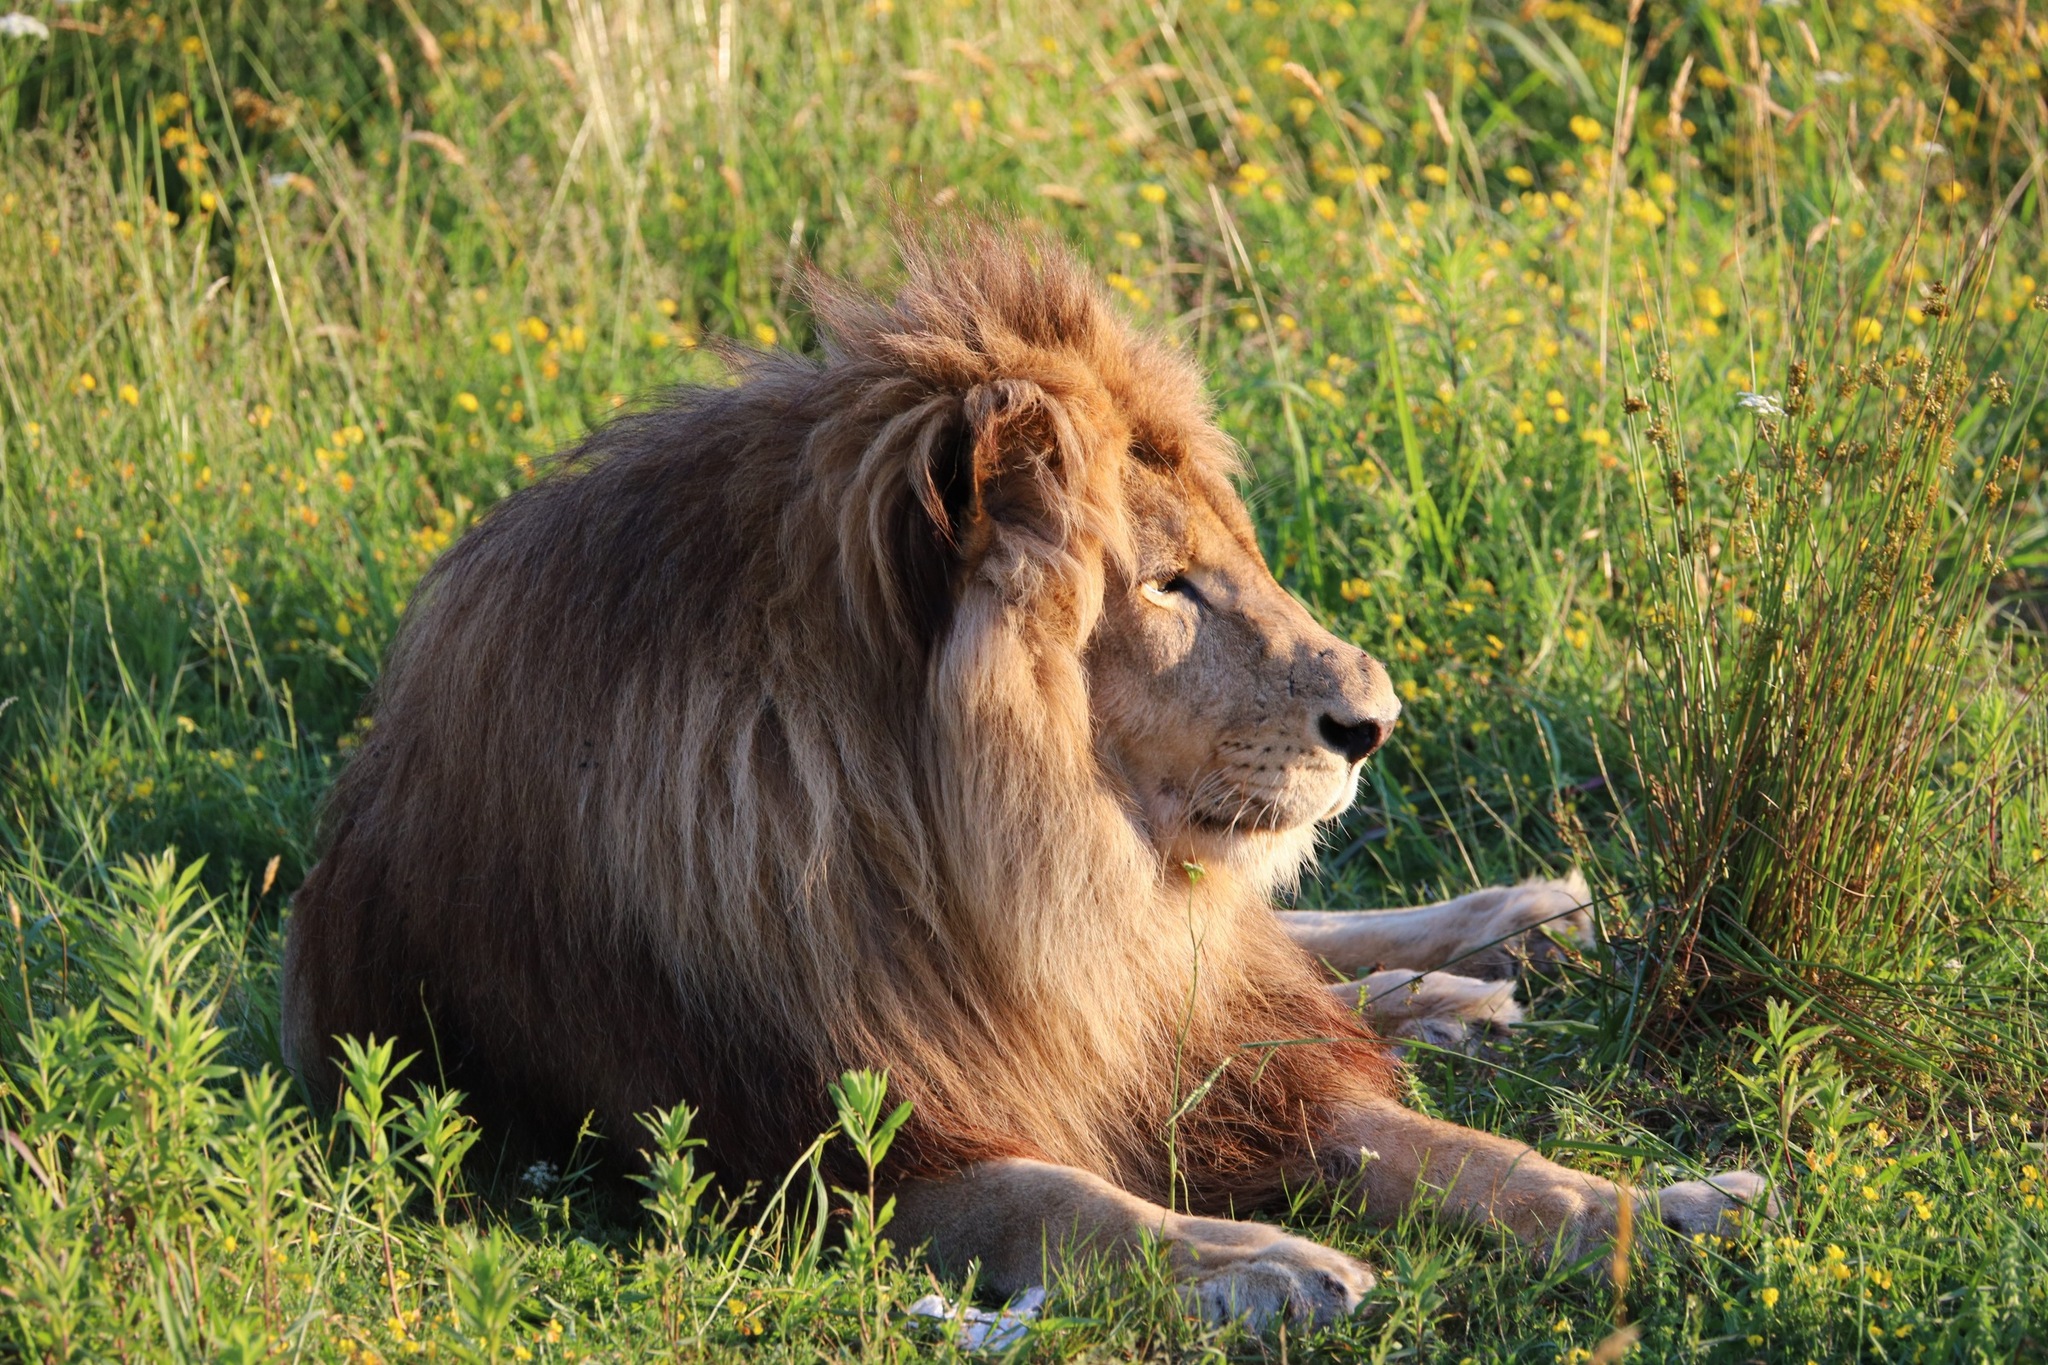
1270, 850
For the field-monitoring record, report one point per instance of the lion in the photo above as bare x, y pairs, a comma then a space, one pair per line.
926, 707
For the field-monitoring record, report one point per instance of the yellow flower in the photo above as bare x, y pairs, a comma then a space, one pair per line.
536, 330
1436, 175
192, 47
466, 401
1152, 194
501, 342
1870, 1193
85, 383
130, 394
1586, 129
1519, 175
1868, 330
1707, 299
1352, 589
1769, 1296
1325, 208
1129, 239
764, 334
1953, 191
667, 307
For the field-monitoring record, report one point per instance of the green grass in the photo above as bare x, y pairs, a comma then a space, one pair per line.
288, 297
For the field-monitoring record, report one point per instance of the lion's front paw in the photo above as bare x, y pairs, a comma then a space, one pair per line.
1290, 1278
1543, 913
1714, 1205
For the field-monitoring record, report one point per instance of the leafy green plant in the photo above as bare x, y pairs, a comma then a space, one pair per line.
487, 1290
672, 1183
858, 1096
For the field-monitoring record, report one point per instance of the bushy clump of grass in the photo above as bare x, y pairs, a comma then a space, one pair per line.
291, 299
1838, 760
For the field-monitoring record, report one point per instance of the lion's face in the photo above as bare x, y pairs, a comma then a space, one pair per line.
1232, 715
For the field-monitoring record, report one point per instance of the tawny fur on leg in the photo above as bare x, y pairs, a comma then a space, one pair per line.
1481, 934
1398, 1156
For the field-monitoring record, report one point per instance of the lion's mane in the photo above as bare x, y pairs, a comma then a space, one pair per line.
754, 744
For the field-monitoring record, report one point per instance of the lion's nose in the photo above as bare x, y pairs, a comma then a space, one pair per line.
1356, 740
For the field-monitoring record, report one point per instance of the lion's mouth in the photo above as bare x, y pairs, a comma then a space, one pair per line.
1294, 808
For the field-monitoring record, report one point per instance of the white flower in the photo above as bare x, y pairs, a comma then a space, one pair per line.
1831, 77
1759, 402
19, 25
1930, 150
277, 180
540, 1177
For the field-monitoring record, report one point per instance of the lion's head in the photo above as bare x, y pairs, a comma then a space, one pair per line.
1233, 716
865, 713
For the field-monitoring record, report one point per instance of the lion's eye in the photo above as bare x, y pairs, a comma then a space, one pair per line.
1170, 592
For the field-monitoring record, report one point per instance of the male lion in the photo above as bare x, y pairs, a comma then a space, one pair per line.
927, 708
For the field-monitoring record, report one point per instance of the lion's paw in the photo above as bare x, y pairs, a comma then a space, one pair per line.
1715, 1205
1526, 923
1291, 1278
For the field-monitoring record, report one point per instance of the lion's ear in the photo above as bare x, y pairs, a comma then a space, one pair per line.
1010, 469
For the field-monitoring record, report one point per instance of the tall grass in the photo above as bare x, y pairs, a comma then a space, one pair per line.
1813, 634
289, 297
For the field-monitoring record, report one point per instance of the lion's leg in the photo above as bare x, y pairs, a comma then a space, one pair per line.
1011, 1215
1399, 1157
1476, 934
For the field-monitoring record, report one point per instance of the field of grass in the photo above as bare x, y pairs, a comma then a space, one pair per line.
1657, 393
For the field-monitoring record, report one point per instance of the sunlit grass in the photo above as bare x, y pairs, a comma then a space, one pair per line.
291, 297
